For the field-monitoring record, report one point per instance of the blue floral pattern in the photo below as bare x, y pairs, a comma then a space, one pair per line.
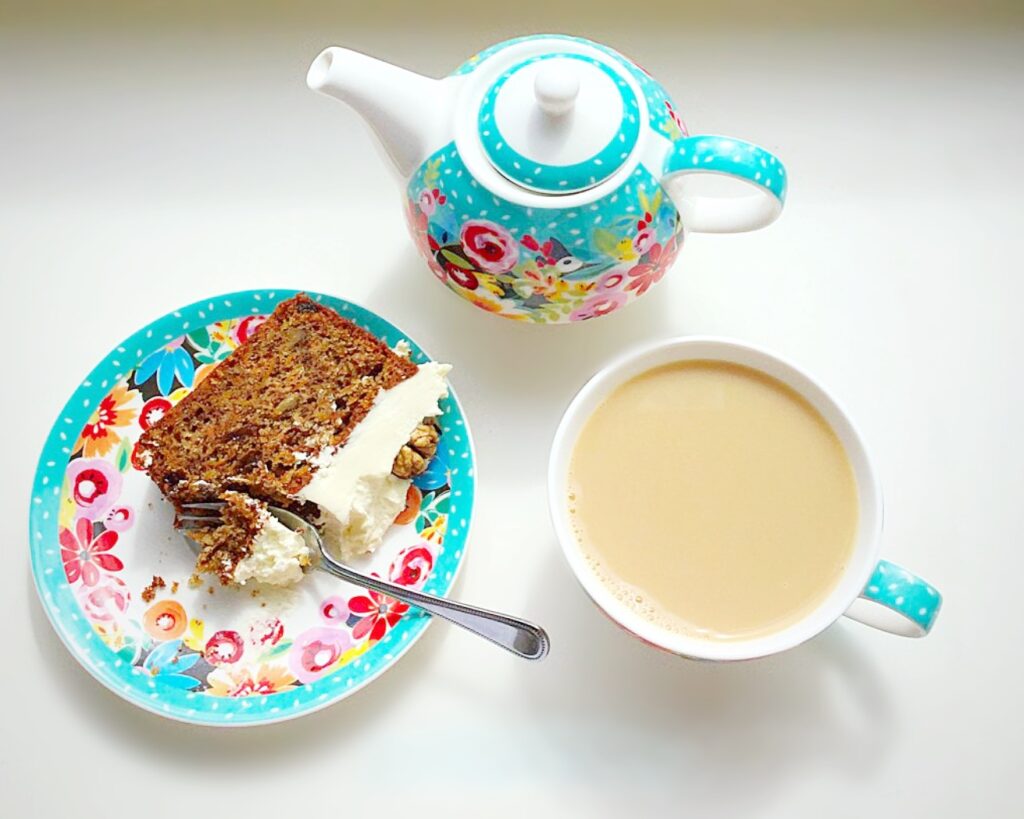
165, 664
167, 364
561, 264
541, 265
189, 663
437, 473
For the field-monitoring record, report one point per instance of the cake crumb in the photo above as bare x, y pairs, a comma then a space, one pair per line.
174, 587
209, 589
263, 605
149, 593
195, 581
254, 593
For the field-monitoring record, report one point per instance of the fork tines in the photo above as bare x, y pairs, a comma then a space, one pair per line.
198, 515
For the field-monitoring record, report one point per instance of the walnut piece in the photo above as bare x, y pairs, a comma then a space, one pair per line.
408, 463
295, 336
413, 458
425, 437
287, 404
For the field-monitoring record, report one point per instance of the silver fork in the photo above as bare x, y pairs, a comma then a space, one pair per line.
522, 638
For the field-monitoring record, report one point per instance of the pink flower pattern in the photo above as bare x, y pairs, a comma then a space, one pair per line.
315, 651
224, 648
95, 484
600, 305
652, 267
412, 566
84, 556
93, 523
542, 263
489, 245
105, 601
377, 613
119, 518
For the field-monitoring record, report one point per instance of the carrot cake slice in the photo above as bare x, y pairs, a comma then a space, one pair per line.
313, 414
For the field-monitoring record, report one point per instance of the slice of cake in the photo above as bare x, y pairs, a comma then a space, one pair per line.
250, 544
313, 414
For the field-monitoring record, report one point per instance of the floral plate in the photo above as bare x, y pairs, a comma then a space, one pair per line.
100, 532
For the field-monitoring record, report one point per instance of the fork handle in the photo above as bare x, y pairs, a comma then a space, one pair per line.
522, 638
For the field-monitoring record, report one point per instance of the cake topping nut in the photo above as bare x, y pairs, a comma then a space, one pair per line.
408, 463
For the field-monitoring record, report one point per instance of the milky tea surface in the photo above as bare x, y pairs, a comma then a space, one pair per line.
713, 500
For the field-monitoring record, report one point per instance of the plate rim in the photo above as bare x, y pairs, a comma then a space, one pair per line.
44, 495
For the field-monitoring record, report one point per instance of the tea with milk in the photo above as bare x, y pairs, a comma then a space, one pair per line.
713, 499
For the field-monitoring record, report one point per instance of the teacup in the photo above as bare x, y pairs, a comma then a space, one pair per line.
870, 590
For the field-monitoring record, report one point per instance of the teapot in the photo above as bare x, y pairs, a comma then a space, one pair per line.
550, 179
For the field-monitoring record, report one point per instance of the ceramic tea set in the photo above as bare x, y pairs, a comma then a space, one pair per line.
550, 179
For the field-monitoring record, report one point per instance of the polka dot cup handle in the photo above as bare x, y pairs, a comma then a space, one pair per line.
897, 601
724, 185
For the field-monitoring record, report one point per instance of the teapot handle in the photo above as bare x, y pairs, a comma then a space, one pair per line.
749, 184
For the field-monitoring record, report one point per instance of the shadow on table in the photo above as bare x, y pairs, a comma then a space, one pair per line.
737, 731
514, 360
602, 701
491, 354
235, 750
603, 704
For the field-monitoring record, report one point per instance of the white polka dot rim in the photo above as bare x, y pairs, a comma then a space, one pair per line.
240, 658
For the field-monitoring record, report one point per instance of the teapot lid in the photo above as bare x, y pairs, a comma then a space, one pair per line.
559, 122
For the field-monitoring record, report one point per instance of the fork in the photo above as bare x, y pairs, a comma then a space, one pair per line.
522, 638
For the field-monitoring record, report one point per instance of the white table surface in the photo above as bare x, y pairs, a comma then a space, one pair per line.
141, 169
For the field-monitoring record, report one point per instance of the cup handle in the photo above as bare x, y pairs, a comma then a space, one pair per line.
897, 601
758, 189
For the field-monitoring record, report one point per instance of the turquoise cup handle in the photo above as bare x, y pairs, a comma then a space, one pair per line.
755, 184
897, 601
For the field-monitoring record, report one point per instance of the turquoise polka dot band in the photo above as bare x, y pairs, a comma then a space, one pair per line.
717, 154
560, 178
905, 594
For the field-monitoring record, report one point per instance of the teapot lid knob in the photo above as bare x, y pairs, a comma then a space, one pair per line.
560, 122
556, 87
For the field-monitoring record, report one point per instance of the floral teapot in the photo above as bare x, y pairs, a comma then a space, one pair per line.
550, 179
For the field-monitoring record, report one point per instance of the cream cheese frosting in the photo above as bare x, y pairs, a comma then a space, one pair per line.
278, 555
353, 486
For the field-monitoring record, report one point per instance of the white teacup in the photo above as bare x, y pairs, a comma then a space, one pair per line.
872, 591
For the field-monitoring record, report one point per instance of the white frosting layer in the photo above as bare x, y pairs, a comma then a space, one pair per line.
278, 555
353, 485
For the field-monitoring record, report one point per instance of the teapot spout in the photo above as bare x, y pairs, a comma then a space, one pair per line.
409, 113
